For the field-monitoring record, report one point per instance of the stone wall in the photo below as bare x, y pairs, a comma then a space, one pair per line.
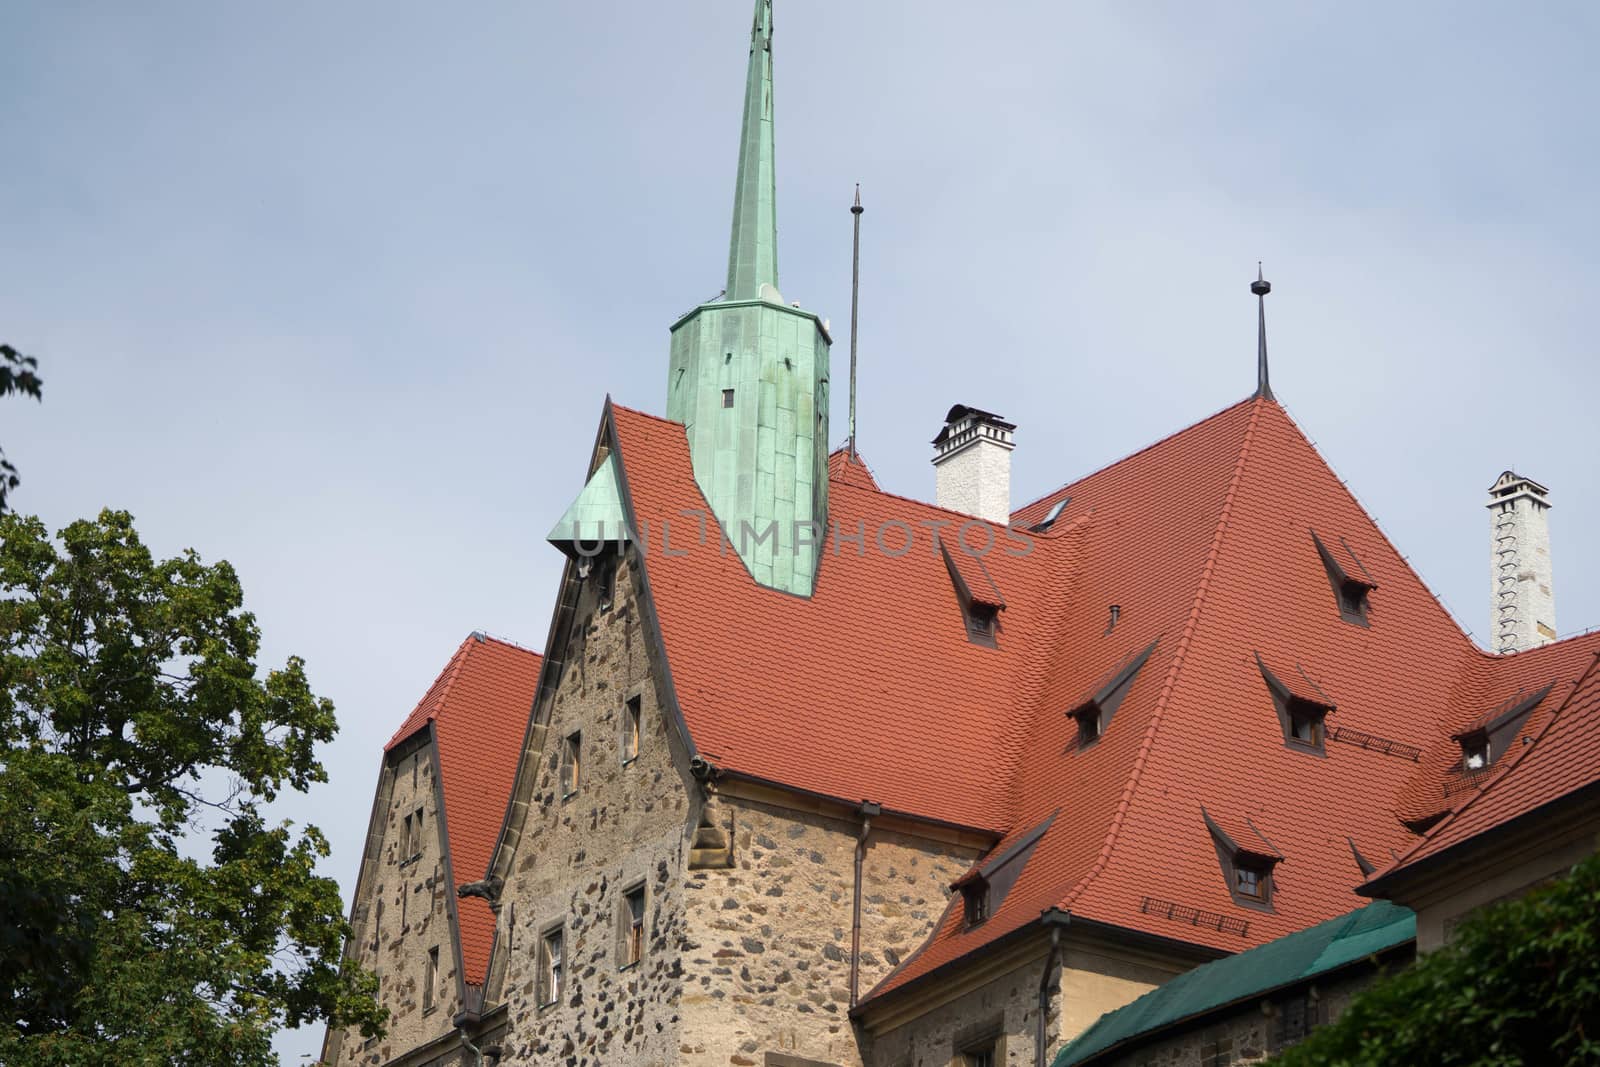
767, 960
403, 913
1002, 1012
627, 824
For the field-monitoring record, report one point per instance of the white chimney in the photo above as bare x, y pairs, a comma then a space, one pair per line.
1523, 601
972, 464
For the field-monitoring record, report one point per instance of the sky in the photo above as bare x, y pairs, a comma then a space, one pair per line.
336, 291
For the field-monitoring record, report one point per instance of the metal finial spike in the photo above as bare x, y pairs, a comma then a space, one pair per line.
1261, 287
855, 309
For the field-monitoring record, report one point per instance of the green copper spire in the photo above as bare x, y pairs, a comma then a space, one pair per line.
753, 252
749, 375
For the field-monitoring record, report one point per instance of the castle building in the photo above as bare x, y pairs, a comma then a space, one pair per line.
814, 774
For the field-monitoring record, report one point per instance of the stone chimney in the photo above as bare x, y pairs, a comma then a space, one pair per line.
972, 464
1522, 597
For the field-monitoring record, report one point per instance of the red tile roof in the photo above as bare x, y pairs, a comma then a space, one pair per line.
479, 707
871, 690
1563, 758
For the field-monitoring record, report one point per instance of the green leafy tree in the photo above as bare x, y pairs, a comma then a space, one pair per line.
135, 733
18, 374
1518, 985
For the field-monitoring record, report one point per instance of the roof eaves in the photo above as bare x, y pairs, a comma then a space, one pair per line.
1386, 878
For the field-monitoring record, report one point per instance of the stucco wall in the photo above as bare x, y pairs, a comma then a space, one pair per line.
976, 480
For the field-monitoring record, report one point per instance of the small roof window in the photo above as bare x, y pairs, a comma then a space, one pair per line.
984, 887
1248, 859
1094, 712
1052, 515
1349, 578
1301, 704
1496, 731
979, 597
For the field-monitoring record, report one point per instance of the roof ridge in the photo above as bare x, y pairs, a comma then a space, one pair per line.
642, 414
1523, 755
1136, 452
1466, 637
506, 641
442, 685
1170, 682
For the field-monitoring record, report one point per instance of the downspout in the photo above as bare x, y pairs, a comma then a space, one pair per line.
1056, 920
867, 810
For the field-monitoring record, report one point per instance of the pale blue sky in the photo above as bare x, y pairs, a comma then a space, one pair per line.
336, 291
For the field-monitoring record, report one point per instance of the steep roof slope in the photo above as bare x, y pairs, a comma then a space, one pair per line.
867, 690
1562, 759
1207, 544
478, 707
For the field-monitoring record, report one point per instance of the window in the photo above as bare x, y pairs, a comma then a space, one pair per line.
980, 622
975, 900
1495, 733
727, 398
551, 967
1301, 705
1348, 577
633, 926
1305, 725
1094, 713
983, 1054
1247, 859
571, 756
630, 729
606, 582
430, 978
411, 837
1089, 725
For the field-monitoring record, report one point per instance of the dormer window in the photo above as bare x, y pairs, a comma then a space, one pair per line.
984, 888
1305, 724
1301, 705
975, 901
1089, 726
1350, 581
980, 622
976, 592
1093, 714
1495, 733
1250, 879
1247, 859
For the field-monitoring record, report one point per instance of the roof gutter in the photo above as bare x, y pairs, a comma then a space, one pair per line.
1055, 920
867, 809
707, 770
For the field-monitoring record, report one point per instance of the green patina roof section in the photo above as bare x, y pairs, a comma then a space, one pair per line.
597, 514
753, 251
1299, 956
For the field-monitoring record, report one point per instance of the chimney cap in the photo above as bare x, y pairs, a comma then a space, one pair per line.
963, 411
